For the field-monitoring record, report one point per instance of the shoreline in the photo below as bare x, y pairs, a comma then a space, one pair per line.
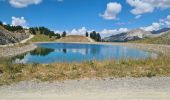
9, 51
14, 51
157, 48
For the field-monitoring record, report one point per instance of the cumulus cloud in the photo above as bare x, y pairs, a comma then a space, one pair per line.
111, 11
23, 3
168, 17
147, 6
103, 33
106, 32
167, 23
154, 26
16, 21
80, 31
157, 25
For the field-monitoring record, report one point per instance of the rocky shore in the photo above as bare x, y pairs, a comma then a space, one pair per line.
15, 50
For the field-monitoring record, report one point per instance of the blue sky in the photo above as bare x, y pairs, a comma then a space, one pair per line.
105, 16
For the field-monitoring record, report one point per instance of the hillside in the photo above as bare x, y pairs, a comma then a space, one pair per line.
163, 39
136, 34
75, 38
7, 37
42, 38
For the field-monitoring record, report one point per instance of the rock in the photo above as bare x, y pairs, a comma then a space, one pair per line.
7, 37
128, 36
161, 30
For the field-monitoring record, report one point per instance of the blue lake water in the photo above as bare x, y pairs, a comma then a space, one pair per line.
62, 52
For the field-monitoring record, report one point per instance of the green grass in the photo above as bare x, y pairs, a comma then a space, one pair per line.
157, 40
42, 38
11, 73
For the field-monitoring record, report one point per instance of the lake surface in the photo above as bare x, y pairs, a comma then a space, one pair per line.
62, 52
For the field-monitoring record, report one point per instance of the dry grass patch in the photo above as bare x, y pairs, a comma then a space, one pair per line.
91, 69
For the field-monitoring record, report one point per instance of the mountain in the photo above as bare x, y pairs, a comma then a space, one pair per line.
161, 31
135, 34
161, 39
7, 37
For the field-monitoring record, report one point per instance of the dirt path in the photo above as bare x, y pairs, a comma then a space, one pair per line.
91, 40
23, 41
108, 89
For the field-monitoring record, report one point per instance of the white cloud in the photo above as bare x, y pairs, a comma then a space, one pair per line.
168, 17
23, 3
4, 23
103, 33
58, 31
167, 23
112, 10
147, 6
137, 17
157, 25
154, 26
19, 21
106, 32
80, 31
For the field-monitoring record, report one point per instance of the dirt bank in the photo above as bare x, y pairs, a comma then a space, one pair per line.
15, 50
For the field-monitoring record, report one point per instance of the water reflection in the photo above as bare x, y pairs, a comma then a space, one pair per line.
62, 52
41, 51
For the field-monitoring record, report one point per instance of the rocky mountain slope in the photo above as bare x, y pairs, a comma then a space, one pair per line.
161, 31
7, 37
135, 34
162, 39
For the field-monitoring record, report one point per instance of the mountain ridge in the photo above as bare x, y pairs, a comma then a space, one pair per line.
135, 34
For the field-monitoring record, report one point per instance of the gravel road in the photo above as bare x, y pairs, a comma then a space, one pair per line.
90, 89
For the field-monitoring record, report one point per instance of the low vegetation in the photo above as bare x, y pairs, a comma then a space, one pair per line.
73, 38
11, 28
10, 73
44, 31
42, 38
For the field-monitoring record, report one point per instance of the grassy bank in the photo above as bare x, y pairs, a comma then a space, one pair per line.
11, 73
156, 40
42, 38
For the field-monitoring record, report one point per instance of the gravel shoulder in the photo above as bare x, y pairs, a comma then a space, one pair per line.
157, 88
13, 51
